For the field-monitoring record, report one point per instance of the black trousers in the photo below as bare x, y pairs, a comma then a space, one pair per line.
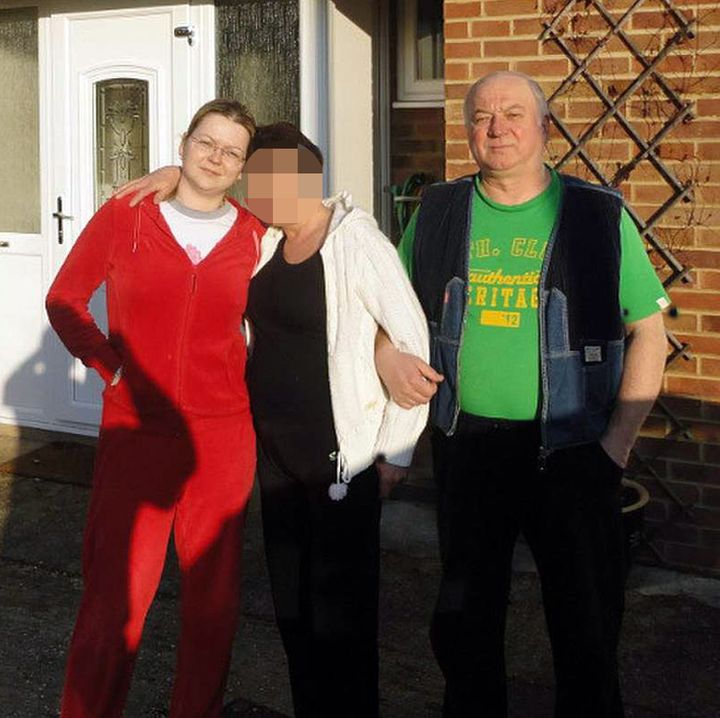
323, 557
491, 488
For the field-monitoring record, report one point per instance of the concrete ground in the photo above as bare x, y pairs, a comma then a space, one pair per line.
670, 650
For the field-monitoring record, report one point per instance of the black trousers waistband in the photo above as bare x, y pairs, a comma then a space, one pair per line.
473, 424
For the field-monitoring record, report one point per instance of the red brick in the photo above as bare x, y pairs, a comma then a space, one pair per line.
678, 533
652, 19
490, 28
509, 48
455, 92
457, 151
710, 367
455, 30
527, 26
510, 7
484, 67
706, 517
543, 68
689, 299
682, 321
458, 9
456, 132
668, 449
711, 453
695, 556
710, 322
706, 431
704, 258
470, 48
710, 538
683, 367
711, 497
687, 493
708, 279
700, 387
702, 344
457, 71
697, 473
656, 510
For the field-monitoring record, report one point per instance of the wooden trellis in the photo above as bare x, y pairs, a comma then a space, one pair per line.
615, 108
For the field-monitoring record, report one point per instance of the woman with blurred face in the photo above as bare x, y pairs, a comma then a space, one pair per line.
176, 452
330, 444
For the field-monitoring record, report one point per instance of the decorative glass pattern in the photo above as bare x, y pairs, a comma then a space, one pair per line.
121, 146
19, 120
258, 56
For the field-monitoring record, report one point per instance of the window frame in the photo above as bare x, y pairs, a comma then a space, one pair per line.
412, 92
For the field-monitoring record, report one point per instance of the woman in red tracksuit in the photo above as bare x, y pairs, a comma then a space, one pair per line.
176, 450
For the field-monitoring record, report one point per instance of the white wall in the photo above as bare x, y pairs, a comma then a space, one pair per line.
350, 122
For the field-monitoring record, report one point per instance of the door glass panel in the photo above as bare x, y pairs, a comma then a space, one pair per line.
19, 123
258, 56
121, 141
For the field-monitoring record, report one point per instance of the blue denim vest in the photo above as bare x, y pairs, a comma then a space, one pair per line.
581, 328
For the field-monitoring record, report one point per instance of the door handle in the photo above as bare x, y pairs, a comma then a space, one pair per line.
59, 216
3, 243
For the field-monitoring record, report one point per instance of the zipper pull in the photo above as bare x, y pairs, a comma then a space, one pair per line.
193, 285
542, 459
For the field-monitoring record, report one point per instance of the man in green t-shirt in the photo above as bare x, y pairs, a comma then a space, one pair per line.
544, 313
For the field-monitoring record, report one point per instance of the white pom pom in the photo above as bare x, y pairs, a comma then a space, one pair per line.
338, 491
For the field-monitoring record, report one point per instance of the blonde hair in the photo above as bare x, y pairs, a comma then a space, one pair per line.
232, 109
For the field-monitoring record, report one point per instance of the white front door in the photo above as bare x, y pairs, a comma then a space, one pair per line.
121, 80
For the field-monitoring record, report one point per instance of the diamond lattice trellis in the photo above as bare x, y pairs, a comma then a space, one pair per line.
614, 102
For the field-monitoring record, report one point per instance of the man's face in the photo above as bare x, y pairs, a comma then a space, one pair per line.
506, 135
282, 186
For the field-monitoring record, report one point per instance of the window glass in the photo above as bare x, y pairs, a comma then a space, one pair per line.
121, 134
258, 60
429, 42
19, 120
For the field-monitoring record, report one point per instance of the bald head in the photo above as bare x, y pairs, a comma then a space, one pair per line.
504, 75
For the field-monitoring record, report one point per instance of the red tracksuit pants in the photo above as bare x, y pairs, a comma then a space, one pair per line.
195, 483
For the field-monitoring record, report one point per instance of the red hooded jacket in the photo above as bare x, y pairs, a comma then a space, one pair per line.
174, 327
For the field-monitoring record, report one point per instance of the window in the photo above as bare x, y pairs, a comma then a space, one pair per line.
19, 139
420, 52
258, 56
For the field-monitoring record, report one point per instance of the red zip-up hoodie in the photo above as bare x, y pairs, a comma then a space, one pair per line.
173, 326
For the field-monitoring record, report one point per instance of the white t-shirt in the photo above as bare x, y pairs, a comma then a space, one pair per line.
198, 232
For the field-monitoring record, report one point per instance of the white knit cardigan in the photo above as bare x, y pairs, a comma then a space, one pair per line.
365, 286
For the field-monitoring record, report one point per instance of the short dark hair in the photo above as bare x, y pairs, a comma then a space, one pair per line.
285, 136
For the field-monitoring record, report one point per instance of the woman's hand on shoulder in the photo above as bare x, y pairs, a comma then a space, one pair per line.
161, 183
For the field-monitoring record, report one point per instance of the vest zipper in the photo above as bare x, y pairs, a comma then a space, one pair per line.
544, 451
466, 269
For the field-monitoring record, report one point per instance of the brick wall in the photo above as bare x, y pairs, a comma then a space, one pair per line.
416, 133
505, 34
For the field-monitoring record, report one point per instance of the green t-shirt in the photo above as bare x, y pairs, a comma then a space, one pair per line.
499, 366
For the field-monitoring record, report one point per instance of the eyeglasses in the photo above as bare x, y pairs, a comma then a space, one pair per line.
208, 146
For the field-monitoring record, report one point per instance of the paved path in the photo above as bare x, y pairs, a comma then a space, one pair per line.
670, 653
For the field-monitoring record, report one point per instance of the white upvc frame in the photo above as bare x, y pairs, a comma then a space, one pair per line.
412, 92
314, 93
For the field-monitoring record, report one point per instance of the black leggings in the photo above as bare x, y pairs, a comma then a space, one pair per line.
323, 559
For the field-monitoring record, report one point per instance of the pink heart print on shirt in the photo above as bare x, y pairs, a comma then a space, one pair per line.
194, 253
